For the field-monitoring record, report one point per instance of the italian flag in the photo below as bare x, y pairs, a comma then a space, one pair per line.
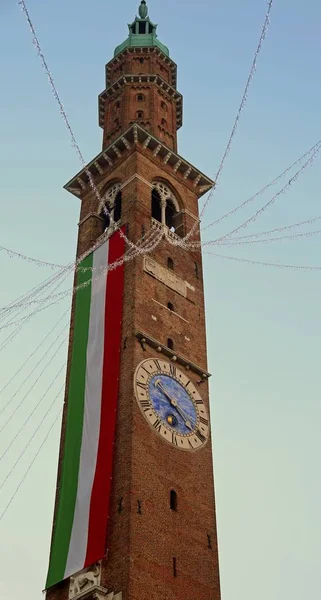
80, 530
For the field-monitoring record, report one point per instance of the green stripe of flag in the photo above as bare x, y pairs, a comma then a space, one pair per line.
73, 438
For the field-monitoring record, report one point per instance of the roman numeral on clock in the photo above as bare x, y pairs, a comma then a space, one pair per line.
157, 363
157, 425
141, 385
204, 421
145, 404
200, 436
174, 439
172, 370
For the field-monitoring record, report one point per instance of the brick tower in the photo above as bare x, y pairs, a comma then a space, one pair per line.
160, 542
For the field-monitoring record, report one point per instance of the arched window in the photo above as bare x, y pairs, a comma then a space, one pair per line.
165, 207
139, 114
170, 344
164, 106
141, 60
164, 123
140, 97
170, 263
116, 122
173, 500
170, 306
111, 214
196, 270
156, 206
170, 213
117, 106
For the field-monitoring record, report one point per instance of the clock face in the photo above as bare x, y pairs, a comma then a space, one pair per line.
171, 404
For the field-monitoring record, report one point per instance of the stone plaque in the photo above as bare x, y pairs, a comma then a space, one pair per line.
165, 276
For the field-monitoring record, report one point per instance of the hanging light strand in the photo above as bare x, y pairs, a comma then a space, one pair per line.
228, 243
278, 230
284, 190
30, 415
238, 116
33, 385
262, 191
64, 116
265, 264
26, 446
24, 477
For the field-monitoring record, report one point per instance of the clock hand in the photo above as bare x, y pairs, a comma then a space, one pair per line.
174, 403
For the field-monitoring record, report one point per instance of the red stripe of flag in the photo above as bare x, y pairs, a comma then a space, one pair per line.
99, 506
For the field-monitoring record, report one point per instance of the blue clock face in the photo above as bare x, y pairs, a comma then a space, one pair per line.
171, 404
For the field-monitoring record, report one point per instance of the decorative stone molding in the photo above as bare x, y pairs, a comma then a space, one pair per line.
85, 581
166, 276
144, 338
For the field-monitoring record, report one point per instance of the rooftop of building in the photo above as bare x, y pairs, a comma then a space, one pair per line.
142, 33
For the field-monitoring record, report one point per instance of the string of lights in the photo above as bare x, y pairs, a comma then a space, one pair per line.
24, 477
43, 356
10, 308
265, 264
278, 230
32, 386
263, 190
32, 437
284, 190
64, 116
238, 116
39, 263
30, 415
267, 205
270, 240
146, 249
21, 367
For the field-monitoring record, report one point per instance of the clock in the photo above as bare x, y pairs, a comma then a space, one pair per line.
171, 404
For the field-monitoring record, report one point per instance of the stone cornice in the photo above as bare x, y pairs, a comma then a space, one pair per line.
144, 338
137, 137
140, 80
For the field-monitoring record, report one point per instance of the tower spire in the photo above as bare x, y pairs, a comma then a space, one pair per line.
143, 9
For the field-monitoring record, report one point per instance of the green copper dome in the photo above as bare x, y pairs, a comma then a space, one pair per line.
142, 33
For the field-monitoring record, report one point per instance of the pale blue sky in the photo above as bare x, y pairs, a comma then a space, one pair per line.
263, 324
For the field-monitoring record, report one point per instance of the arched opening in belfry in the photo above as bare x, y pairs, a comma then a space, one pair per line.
170, 213
111, 213
156, 206
117, 207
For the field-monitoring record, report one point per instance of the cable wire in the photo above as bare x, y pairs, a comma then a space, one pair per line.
266, 264
264, 189
31, 439
32, 412
30, 466
32, 387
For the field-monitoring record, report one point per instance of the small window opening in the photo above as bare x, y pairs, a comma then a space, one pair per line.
105, 215
170, 345
142, 29
140, 97
164, 106
117, 106
170, 215
116, 122
174, 567
196, 270
156, 206
209, 542
170, 264
164, 122
170, 306
140, 114
117, 209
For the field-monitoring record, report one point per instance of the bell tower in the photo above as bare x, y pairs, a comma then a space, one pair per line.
135, 508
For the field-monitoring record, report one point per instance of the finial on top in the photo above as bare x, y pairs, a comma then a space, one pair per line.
143, 10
